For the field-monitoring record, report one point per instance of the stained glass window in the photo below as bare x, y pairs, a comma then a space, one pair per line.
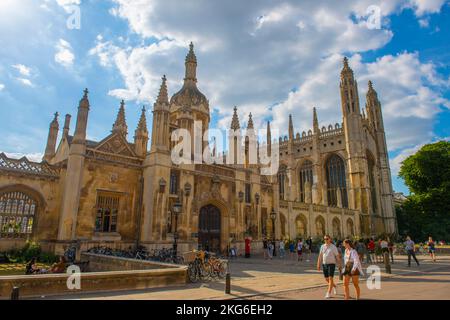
336, 181
17, 214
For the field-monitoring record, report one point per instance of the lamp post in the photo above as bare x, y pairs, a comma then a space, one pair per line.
176, 211
273, 216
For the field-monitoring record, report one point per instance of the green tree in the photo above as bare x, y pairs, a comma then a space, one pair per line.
427, 210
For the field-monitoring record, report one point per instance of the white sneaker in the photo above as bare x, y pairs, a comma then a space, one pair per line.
334, 291
327, 296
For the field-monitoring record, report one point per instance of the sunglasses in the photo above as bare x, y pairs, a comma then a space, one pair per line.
326, 238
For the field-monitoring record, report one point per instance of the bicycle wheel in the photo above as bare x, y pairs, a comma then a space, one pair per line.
222, 270
193, 273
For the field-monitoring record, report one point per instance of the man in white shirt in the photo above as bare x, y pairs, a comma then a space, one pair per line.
329, 256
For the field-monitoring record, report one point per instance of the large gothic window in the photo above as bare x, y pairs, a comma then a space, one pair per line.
281, 181
373, 189
17, 214
306, 175
336, 182
301, 226
107, 212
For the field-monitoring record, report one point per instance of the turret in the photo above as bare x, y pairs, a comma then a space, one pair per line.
141, 135
291, 128
160, 129
74, 175
82, 118
52, 137
66, 126
120, 126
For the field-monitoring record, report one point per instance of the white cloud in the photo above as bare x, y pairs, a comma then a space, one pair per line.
35, 157
26, 82
22, 69
66, 4
275, 59
424, 23
2, 86
64, 54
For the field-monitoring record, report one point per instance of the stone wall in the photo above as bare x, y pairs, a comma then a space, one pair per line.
151, 275
100, 263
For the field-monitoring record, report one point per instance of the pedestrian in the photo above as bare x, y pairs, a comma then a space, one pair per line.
291, 250
329, 256
282, 251
410, 250
391, 249
384, 249
309, 244
352, 270
299, 250
270, 247
431, 248
265, 248
371, 249
360, 248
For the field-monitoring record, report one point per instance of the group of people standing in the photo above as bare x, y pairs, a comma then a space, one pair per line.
296, 248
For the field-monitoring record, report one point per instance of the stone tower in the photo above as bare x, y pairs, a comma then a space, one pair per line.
51, 140
74, 174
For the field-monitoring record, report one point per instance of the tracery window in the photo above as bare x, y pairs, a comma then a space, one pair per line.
306, 175
107, 212
336, 181
17, 214
281, 181
373, 189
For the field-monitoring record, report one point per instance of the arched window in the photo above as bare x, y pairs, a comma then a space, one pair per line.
336, 228
336, 182
17, 214
350, 227
373, 188
306, 175
281, 181
320, 226
301, 226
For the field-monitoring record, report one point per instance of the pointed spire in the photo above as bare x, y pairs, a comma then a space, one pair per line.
346, 69
84, 102
235, 120
250, 122
142, 125
291, 128
191, 66
269, 134
66, 125
315, 121
55, 119
371, 90
163, 96
120, 125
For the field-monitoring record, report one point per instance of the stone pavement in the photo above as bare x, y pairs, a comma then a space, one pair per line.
256, 277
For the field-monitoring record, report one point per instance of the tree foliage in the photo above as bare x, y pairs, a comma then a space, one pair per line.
427, 210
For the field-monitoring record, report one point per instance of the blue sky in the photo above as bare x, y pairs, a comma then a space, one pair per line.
270, 58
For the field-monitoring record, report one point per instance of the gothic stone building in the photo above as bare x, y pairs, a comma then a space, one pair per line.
113, 192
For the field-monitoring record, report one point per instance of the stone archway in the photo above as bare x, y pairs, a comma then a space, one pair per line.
320, 226
209, 228
336, 228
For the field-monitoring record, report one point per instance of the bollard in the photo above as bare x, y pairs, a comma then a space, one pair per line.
15, 293
228, 283
387, 264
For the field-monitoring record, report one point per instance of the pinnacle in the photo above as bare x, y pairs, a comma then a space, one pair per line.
120, 125
235, 121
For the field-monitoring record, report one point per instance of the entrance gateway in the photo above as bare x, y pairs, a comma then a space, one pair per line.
209, 229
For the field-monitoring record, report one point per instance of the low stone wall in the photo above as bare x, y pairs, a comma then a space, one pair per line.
149, 275
100, 263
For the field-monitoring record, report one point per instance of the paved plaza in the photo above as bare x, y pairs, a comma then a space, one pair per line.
257, 278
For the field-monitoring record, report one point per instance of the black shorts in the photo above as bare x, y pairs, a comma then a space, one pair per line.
328, 270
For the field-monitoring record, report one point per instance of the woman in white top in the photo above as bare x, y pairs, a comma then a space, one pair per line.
351, 270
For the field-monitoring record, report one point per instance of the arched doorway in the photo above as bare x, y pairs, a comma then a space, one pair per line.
209, 228
336, 228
